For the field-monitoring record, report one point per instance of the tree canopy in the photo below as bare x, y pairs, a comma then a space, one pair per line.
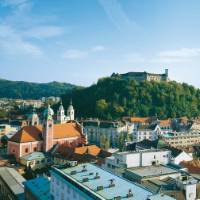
113, 97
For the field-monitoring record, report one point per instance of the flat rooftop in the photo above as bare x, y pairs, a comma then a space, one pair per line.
141, 151
33, 156
39, 187
14, 180
121, 187
152, 171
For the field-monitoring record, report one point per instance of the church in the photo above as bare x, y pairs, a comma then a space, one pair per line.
43, 136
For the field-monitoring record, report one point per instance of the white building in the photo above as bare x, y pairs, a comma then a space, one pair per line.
189, 186
61, 117
6, 129
122, 160
89, 182
149, 132
182, 156
95, 128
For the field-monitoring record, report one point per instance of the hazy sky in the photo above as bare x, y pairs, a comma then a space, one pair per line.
78, 41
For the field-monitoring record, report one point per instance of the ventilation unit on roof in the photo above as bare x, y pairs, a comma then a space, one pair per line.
84, 168
85, 180
130, 194
73, 172
117, 198
99, 188
112, 184
97, 176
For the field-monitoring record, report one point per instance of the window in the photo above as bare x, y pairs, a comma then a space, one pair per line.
62, 196
74, 194
26, 150
68, 190
35, 149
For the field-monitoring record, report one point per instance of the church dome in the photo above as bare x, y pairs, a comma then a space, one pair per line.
48, 112
70, 108
61, 107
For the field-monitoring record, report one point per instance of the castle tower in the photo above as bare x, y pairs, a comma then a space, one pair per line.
61, 114
166, 73
34, 119
48, 129
70, 111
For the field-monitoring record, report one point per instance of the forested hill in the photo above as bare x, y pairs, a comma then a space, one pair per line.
113, 97
27, 90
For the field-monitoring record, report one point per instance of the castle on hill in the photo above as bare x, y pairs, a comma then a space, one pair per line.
143, 76
43, 136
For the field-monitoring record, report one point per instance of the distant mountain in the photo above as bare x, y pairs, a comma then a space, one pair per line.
28, 90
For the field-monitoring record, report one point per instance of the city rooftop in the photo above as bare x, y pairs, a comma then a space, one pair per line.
102, 184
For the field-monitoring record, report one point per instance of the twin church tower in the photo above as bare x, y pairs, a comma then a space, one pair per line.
61, 117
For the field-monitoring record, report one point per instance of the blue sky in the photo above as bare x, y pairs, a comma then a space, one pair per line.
78, 41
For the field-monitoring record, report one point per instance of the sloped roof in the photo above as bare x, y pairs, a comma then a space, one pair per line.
165, 122
28, 134
79, 153
92, 150
148, 127
34, 133
140, 119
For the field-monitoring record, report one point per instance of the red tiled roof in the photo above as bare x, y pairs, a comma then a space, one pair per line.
34, 133
140, 119
166, 122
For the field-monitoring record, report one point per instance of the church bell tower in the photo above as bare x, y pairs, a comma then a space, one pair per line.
48, 129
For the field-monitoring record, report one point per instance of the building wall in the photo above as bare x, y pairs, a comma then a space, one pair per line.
70, 140
161, 157
118, 162
14, 149
22, 149
182, 157
183, 139
5, 192
140, 135
94, 133
61, 189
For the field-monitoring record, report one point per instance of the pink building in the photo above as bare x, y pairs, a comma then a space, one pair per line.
44, 137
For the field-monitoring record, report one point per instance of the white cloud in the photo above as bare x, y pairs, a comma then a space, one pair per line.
117, 16
16, 46
12, 2
80, 54
180, 55
45, 31
11, 42
98, 48
75, 54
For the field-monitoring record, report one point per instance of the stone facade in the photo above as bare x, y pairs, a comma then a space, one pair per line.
144, 76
